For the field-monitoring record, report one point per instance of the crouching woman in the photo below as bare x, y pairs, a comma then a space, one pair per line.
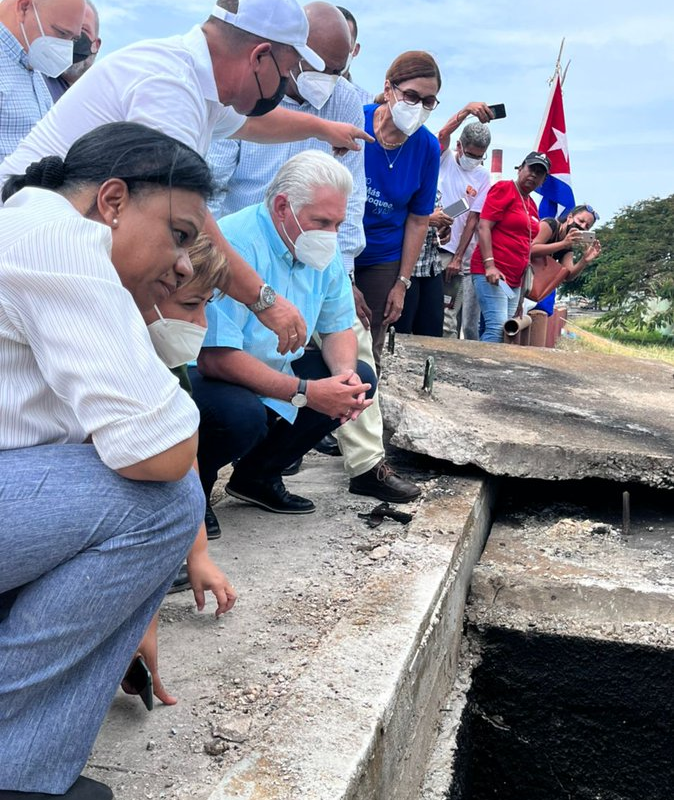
98, 500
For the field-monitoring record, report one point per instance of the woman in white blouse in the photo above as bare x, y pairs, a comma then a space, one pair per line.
92, 535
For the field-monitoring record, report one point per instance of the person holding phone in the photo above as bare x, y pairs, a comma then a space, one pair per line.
401, 168
508, 225
559, 237
463, 177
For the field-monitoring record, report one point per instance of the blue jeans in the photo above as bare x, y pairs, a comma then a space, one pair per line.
87, 557
496, 308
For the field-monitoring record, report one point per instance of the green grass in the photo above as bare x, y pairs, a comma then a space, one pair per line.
634, 344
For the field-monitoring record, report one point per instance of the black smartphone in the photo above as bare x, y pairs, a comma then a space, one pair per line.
138, 680
498, 110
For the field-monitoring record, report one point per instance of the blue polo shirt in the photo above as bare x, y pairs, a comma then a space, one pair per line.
325, 299
399, 182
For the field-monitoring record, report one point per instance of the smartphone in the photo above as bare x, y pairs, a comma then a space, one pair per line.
498, 111
507, 291
138, 680
456, 209
587, 237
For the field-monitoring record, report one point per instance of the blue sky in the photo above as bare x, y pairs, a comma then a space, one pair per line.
618, 95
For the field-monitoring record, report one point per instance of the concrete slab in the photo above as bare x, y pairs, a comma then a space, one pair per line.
326, 679
533, 412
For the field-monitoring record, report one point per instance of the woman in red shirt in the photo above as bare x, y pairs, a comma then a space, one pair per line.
508, 225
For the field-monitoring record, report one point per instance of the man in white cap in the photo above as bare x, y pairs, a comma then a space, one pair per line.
218, 80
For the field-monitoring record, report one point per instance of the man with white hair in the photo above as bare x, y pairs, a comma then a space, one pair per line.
36, 40
259, 408
85, 51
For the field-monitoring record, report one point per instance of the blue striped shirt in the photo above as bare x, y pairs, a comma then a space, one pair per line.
24, 97
244, 169
325, 299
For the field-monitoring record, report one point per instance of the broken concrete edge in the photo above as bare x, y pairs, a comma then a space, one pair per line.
413, 431
372, 693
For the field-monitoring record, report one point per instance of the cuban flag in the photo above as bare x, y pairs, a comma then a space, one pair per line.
556, 189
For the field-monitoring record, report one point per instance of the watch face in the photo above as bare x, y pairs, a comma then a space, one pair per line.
299, 400
267, 296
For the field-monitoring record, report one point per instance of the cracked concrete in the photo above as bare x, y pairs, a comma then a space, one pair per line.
532, 412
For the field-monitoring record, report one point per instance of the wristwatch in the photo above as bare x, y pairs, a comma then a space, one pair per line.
299, 399
406, 281
266, 299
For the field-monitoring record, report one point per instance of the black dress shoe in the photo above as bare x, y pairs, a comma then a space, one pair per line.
384, 484
292, 469
328, 446
271, 495
180, 584
82, 789
212, 525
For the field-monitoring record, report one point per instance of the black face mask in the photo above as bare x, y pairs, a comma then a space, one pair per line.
266, 104
82, 48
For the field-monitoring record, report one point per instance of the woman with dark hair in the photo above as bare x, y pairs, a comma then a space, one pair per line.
558, 238
98, 498
401, 168
507, 227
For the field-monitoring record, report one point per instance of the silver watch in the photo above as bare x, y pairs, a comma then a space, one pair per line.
299, 399
266, 299
406, 281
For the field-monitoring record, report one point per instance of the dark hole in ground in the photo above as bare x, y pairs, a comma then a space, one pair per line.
554, 718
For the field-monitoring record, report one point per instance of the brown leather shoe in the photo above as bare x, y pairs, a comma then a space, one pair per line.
384, 484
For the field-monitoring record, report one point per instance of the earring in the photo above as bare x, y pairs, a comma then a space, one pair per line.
115, 222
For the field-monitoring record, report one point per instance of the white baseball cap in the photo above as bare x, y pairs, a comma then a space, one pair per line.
282, 21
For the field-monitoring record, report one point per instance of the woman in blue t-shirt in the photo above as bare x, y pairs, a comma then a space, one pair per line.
401, 170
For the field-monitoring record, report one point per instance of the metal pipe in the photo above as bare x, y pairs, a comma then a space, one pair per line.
514, 325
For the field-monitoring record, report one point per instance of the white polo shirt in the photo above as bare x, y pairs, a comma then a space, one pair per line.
75, 355
167, 84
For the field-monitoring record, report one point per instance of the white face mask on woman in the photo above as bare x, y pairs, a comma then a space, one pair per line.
316, 87
316, 249
48, 54
177, 342
408, 119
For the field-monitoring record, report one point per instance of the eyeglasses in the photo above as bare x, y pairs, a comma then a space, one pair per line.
430, 102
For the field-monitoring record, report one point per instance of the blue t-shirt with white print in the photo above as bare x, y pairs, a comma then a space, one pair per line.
393, 192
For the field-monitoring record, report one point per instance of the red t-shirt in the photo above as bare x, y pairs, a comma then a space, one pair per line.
516, 227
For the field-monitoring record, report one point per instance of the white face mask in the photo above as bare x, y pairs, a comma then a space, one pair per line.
469, 164
316, 87
407, 118
349, 61
177, 342
48, 54
316, 249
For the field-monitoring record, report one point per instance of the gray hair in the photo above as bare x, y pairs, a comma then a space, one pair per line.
97, 20
476, 134
305, 172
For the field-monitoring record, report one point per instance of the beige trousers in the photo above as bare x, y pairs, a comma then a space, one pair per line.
361, 441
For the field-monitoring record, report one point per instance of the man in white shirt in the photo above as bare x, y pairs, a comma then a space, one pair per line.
463, 176
217, 80
246, 169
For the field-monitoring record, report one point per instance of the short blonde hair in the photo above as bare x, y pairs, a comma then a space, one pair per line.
210, 265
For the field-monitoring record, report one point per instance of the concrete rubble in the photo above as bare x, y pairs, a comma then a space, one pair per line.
533, 412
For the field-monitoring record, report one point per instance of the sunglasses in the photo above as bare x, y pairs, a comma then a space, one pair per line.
586, 207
